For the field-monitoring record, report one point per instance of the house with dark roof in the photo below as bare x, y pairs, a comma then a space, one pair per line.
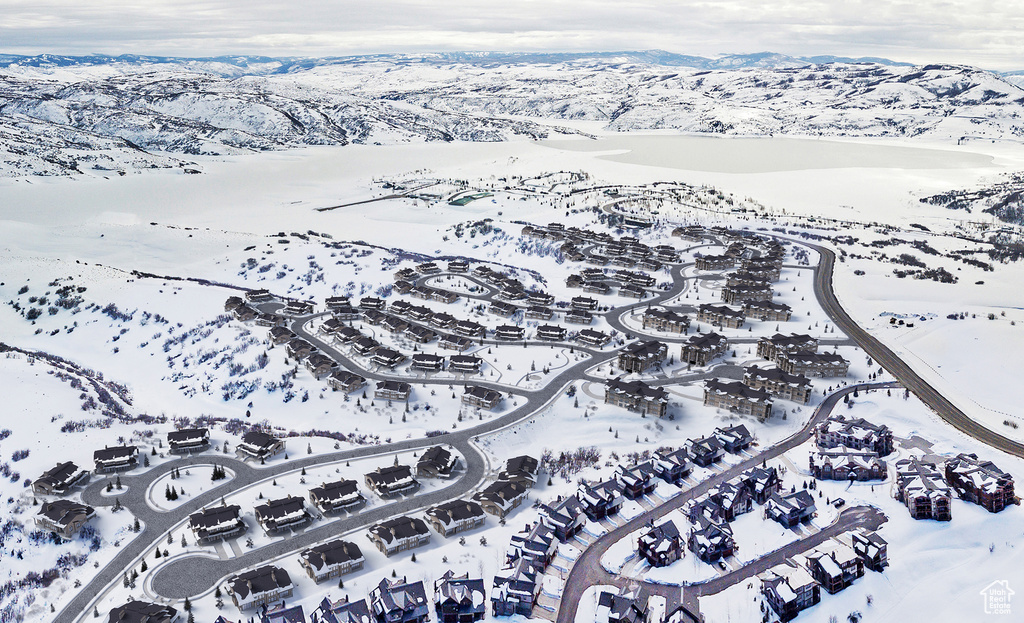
455, 516
628, 606
504, 310
500, 497
701, 349
539, 312
771, 348
456, 343
980, 482
372, 302
660, 319
523, 469
710, 540
427, 362
375, 317
842, 463
789, 590
600, 499
720, 316
583, 302
342, 611
188, 440
288, 513
516, 587
216, 523
872, 549
63, 517
320, 365
387, 357
258, 296
566, 516
579, 316
639, 357
299, 349
745, 278
636, 396
778, 383
458, 266
337, 495
283, 614
592, 337
637, 480
392, 390
399, 601
391, 481
459, 599
464, 364
116, 459
477, 396
661, 545
259, 445
259, 587
738, 398
551, 333
329, 327
790, 509
398, 534
705, 451
281, 335
437, 462
443, 320
334, 302
345, 381
59, 479
347, 335
468, 328
672, 465
142, 612
509, 332
420, 335
331, 559
245, 313
713, 262
536, 541
735, 438
834, 565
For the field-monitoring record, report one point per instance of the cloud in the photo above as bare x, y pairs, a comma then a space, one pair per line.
980, 32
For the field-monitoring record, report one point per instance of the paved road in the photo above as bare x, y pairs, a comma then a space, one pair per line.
588, 571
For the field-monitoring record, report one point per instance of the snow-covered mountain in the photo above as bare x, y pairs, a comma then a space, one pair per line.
62, 115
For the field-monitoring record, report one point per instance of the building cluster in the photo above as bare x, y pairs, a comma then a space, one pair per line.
798, 354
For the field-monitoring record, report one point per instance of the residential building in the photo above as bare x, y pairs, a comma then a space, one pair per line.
399, 534
392, 390
821, 365
464, 364
458, 266
342, 611
637, 480
566, 516
320, 365
710, 540
745, 278
771, 348
216, 523
920, 487
789, 590
516, 588
345, 381
245, 313
455, 342
281, 335
855, 433
629, 606
636, 396
778, 383
283, 614
551, 333
660, 319
346, 335
399, 601
298, 308
523, 469
259, 445
387, 358
834, 565
468, 328
437, 462
337, 495
790, 509
705, 451
738, 398
455, 516
427, 362
536, 541
299, 349
334, 302
740, 295
641, 356
142, 612
420, 335
540, 298
482, 397
287, 513
842, 463
980, 482
258, 296
391, 481
600, 499
459, 599
579, 316
583, 302
372, 302
539, 312
767, 310
700, 350
442, 320
662, 545
713, 262
60, 479
116, 459
632, 291
259, 587
500, 497
504, 310
720, 316
673, 465
872, 549
509, 332
593, 338
735, 438
63, 517
762, 482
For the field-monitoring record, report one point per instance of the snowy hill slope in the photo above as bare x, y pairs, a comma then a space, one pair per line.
63, 115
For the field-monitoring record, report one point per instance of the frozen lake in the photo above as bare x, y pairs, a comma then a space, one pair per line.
767, 155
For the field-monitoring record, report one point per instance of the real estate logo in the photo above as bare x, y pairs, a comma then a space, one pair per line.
997, 597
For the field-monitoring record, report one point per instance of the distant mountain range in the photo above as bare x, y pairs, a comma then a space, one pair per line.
116, 114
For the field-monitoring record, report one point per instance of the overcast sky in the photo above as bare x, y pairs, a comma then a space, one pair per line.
985, 33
